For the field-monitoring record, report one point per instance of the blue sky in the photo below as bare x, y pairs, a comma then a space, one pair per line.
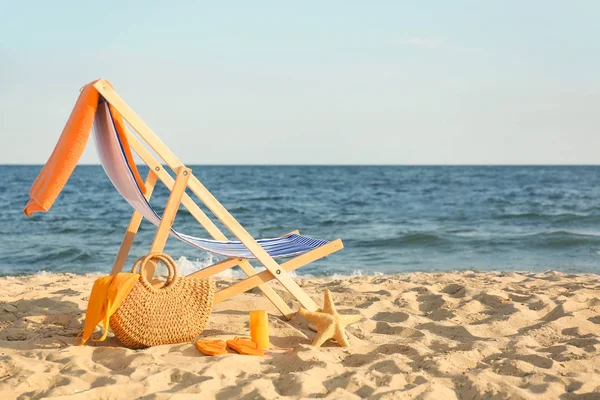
328, 82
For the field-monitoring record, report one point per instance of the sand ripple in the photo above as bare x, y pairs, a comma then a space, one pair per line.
444, 336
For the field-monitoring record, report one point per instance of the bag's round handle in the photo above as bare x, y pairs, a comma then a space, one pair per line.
166, 259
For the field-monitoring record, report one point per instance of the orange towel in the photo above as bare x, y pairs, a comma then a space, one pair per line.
67, 152
107, 295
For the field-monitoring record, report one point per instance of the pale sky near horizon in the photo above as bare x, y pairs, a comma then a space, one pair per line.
314, 82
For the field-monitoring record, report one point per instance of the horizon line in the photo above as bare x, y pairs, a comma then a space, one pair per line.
335, 165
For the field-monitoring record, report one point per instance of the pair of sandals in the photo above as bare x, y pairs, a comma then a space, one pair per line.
241, 345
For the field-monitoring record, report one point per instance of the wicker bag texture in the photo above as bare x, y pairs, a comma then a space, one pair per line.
174, 313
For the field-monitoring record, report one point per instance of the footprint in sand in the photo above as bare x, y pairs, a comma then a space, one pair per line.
368, 302
121, 361
496, 305
103, 381
430, 302
394, 348
536, 305
562, 353
586, 343
358, 360
393, 317
455, 290
400, 302
386, 329
456, 333
538, 361
67, 292
381, 292
513, 368
387, 367
519, 298
595, 320
434, 307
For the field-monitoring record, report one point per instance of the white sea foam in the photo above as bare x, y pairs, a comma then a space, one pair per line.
44, 272
357, 273
187, 266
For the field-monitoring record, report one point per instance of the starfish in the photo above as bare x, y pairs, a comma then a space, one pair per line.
329, 323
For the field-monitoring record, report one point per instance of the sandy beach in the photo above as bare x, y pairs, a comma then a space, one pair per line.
463, 335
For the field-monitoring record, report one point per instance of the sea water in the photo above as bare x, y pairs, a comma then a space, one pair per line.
391, 218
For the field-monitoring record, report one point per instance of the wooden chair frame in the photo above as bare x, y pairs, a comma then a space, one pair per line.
186, 179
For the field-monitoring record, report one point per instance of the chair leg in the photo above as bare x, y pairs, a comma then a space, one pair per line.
171, 208
268, 291
249, 270
265, 276
134, 225
288, 283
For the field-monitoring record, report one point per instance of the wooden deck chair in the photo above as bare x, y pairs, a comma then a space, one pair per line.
113, 153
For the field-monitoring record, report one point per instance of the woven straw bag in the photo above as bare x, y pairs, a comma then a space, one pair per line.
174, 313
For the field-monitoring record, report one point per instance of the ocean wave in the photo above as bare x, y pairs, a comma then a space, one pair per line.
266, 198
413, 238
564, 239
572, 233
563, 217
63, 255
187, 266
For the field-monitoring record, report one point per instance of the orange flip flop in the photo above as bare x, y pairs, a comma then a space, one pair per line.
245, 346
212, 347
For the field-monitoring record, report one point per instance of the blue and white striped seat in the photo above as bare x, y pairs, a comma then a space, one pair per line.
285, 246
114, 162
